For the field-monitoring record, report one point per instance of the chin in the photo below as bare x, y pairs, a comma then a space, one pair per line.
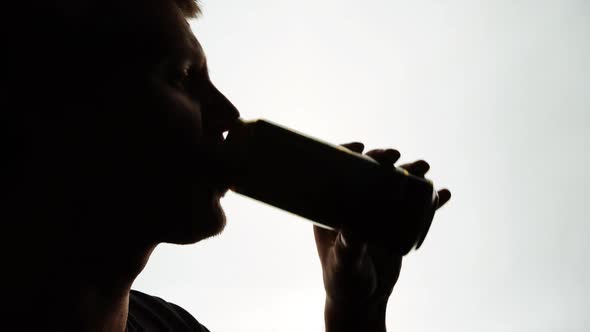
205, 220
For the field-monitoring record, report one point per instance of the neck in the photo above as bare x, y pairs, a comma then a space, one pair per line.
80, 291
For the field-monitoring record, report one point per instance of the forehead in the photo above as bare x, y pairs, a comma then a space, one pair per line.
153, 31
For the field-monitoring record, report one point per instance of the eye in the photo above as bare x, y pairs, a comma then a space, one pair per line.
180, 78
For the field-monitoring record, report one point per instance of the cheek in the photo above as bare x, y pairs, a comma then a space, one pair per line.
166, 125
149, 113
175, 113
174, 129
152, 139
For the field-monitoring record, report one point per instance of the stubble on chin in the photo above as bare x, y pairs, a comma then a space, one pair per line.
208, 221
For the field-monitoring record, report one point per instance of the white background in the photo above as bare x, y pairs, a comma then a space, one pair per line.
494, 94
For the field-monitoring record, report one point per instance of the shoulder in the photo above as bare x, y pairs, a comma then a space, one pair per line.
147, 313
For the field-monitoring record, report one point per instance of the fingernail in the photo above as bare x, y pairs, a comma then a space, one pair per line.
343, 241
392, 154
445, 194
349, 240
358, 146
423, 166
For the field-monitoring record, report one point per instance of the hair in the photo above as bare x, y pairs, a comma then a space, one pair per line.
74, 8
190, 8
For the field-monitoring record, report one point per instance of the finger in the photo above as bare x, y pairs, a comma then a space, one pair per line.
357, 147
417, 168
387, 156
324, 240
444, 196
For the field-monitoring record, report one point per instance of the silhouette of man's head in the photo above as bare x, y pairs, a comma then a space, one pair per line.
114, 124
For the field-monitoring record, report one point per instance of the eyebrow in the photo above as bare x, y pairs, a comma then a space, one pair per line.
192, 56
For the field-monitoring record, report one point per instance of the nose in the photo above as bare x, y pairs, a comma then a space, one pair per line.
217, 111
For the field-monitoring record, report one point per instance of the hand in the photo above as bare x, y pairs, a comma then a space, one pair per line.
359, 276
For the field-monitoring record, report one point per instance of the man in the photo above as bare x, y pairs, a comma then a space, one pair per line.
111, 133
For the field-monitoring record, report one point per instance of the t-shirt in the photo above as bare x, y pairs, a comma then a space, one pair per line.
152, 314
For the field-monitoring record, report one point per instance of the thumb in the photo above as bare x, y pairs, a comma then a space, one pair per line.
324, 239
349, 251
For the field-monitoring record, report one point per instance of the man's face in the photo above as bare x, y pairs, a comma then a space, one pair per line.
160, 121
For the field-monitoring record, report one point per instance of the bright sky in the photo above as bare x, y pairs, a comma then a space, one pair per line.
494, 94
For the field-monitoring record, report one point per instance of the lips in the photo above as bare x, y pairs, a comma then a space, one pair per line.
213, 140
214, 170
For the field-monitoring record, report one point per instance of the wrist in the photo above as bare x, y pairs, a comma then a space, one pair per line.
345, 317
